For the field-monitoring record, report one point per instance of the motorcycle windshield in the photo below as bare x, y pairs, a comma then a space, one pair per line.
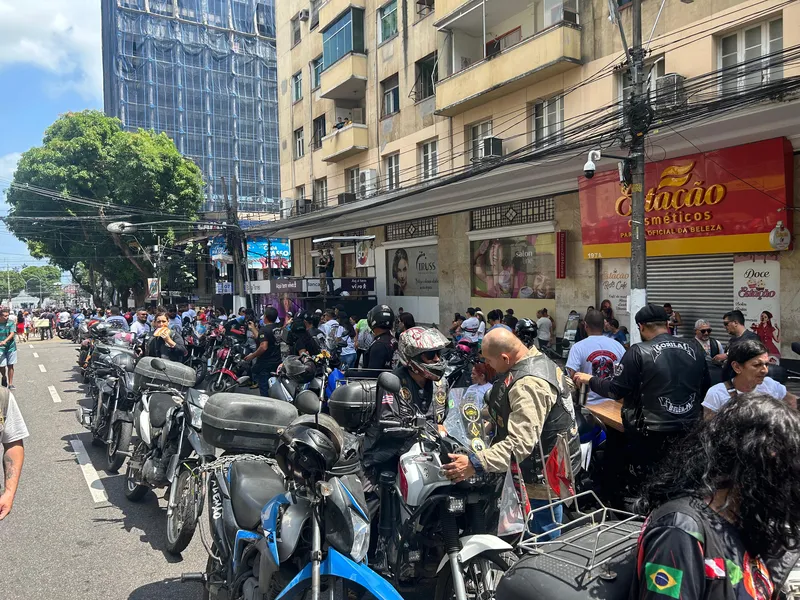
464, 422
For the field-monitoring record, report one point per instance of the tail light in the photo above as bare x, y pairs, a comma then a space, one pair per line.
403, 482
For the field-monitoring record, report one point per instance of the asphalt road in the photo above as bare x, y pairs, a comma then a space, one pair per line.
63, 538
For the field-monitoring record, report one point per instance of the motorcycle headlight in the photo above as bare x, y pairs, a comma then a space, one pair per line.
196, 414
360, 537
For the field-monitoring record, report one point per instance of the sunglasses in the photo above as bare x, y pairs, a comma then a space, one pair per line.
432, 355
726, 323
705, 331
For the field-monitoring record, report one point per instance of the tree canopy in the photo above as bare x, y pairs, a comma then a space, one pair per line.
88, 173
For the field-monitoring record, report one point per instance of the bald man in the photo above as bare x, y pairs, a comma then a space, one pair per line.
534, 396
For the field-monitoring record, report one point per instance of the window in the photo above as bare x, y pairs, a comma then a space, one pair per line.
424, 8
297, 86
392, 168
300, 192
319, 132
295, 31
351, 179
476, 134
299, 144
745, 56
343, 36
548, 121
427, 78
429, 159
314, 22
387, 21
320, 196
390, 89
316, 72
263, 22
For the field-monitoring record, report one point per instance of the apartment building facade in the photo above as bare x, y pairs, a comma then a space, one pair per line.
473, 186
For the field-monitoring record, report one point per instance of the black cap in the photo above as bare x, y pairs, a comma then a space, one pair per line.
652, 313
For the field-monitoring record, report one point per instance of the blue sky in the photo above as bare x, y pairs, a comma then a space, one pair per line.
50, 63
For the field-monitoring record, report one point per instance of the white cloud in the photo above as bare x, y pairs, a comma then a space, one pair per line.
8, 163
59, 36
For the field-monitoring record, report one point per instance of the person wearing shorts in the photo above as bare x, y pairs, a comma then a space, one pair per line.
8, 349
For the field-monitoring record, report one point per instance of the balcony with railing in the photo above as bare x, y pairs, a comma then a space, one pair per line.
500, 46
332, 10
345, 139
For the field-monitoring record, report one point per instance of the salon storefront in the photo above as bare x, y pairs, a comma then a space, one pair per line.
718, 227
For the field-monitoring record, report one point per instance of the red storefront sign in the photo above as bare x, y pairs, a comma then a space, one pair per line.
561, 254
709, 203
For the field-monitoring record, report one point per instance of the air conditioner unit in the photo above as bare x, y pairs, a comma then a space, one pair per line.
303, 206
367, 182
303, 15
670, 91
570, 17
492, 147
286, 207
346, 198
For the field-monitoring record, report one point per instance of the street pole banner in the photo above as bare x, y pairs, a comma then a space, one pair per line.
153, 288
756, 292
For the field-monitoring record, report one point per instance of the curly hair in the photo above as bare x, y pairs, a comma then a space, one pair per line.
750, 449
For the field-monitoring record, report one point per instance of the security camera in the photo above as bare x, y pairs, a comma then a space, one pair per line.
589, 168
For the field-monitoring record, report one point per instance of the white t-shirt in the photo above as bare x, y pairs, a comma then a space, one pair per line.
63, 317
14, 426
470, 328
189, 313
596, 355
140, 329
718, 395
544, 325
481, 329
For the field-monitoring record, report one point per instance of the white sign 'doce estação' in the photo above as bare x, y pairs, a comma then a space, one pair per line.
756, 292
615, 279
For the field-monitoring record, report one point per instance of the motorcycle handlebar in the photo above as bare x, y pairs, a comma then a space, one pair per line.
399, 431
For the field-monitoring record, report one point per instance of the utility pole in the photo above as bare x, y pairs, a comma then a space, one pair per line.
639, 120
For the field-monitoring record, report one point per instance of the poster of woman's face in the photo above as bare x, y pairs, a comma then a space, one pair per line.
514, 267
413, 271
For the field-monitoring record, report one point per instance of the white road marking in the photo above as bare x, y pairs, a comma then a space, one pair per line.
53, 393
31, 345
35, 355
42, 369
89, 473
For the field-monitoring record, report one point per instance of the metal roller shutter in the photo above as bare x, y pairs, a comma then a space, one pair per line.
698, 287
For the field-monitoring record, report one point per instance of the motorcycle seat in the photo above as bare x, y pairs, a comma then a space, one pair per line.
159, 405
253, 484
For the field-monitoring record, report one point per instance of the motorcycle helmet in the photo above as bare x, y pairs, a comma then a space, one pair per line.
416, 342
299, 370
381, 316
526, 331
125, 361
306, 453
99, 329
298, 325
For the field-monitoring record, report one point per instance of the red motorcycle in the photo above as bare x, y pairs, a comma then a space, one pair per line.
229, 368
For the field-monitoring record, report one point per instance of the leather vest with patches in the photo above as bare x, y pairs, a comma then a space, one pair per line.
560, 419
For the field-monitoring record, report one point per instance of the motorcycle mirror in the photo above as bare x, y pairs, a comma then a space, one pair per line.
487, 396
389, 382
158, 364
307, 403
565, 344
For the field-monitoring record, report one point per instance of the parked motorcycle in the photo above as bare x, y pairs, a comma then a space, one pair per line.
167, 419
64, 330
272, 539
230, 372
194, 336
113, 397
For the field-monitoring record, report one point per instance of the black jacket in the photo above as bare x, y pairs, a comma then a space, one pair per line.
158, 348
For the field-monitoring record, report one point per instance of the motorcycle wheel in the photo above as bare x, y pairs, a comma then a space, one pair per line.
120, 441
200, 370
183, 520
481, 576
134, 491
215, 385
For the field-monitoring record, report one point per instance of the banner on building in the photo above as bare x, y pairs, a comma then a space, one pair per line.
153, 288
365, 255
719, 202
257, 249
413, 271
561, 254
224, 287
756, 292
514, 267
615, 286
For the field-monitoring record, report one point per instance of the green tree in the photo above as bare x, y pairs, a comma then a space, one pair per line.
11, 283
88, 173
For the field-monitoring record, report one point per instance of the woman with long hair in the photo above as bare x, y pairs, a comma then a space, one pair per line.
745, 372
725, 507
21, 327
400, 272
606, 309
768, 333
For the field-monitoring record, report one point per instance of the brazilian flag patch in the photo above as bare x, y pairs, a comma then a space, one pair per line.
663, 580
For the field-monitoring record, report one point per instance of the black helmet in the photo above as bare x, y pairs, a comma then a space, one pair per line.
100, 330
306, 451
381, 316
299, 370
298, 324
526, 331
125, 361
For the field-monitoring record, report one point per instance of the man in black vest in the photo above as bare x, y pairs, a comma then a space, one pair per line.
532, 396
663, 381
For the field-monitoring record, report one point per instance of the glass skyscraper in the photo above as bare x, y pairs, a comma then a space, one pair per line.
205, 73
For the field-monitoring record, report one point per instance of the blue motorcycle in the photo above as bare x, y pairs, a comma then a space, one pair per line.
287, 513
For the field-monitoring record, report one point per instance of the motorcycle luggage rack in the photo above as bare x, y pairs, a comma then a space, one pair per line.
596, 546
